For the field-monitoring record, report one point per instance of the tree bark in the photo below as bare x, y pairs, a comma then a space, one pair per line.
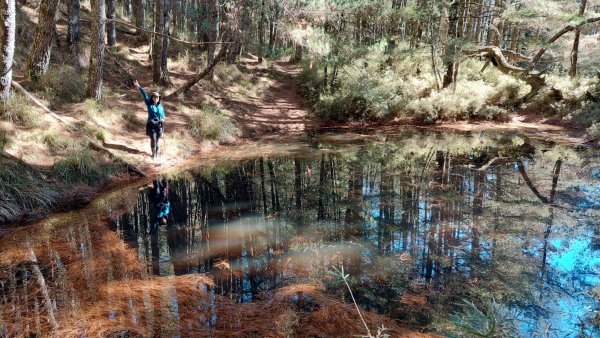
160, 73
39, 55
138, 9
96, 66
164, 71
298, 183
575, 50
451, 48
111, 32
7, 43
213, 23
74, 35
261, 32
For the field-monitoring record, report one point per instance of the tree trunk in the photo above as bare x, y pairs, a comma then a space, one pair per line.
575, 50
213, 23
160, 73
39, 55
298, 183
97, 50
138, 9
164, 71
298, 53
7, 41
111, 32
451, 48
261, 31
73, 35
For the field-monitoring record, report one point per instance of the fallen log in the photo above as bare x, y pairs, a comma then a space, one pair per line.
189, 84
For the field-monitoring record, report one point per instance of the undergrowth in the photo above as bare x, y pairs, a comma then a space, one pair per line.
84, 166
212, 124
18, 110
22, 189
62, 84
379, 82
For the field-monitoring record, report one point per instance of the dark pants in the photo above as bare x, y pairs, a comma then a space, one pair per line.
154, 131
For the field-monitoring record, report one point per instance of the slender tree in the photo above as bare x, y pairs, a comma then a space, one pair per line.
261, 32
213, 22
7, 41
160, 72
111, 15
39, 54
97, 50
74, 35
452, 46
138, 10
575, 50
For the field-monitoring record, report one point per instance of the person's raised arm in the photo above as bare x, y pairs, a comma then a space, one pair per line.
144, 94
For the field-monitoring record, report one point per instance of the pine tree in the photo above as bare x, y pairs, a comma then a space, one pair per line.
97, 50
39, 54
7, 41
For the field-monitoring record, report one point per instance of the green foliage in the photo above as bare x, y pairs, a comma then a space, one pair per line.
84, 166
212, 124
55, 142
18, 110
62, 84
4, 141
131, 120
380, 82
594, 130
493, 321
22, 189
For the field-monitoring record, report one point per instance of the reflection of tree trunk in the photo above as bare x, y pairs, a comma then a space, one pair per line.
261, 164
355, 186
555, 174
322, 173
298, 183
274, 195
479, 187
529, 183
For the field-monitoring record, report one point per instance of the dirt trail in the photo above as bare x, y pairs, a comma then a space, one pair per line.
280, 110
276, 110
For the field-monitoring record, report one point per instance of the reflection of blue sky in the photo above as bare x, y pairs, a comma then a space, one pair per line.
573, 270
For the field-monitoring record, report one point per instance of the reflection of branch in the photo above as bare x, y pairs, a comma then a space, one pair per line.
530, 184
487, 165
555, 174
44, 288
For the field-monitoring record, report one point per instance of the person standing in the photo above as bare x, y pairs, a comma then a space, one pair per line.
156, 118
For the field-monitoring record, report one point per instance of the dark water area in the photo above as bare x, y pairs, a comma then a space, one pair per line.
436, 231
461, 235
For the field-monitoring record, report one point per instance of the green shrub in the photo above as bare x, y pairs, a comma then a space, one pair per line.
22, 189
210, 123
55, 142
83, 166
63, 84
90, 130
3, 140
594, 130
131, 120
490, 320
18, 110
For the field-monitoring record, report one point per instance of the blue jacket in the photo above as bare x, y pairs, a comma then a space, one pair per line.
155, 111
164, 209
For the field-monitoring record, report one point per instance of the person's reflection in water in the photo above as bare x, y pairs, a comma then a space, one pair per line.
160, 198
